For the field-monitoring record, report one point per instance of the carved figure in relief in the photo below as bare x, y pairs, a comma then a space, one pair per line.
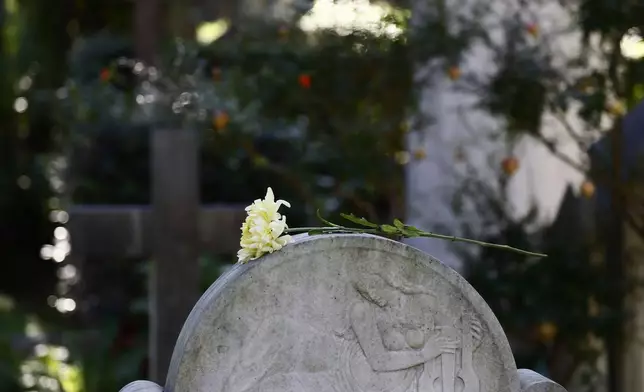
391, 344
394, 327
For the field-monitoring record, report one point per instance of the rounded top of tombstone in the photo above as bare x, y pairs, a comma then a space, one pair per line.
342, 313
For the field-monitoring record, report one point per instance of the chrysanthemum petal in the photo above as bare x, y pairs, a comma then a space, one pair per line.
263, 229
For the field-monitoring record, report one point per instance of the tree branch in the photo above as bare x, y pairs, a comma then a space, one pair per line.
561, 156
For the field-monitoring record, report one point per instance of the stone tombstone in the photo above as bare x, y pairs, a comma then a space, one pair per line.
344, 313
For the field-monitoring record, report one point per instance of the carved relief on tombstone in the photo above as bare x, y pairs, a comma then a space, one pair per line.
342, 313
395, 330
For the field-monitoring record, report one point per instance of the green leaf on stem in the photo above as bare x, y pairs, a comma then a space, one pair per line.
411, 231
399, 224
326, 222
359, 221
389, 229
407, 230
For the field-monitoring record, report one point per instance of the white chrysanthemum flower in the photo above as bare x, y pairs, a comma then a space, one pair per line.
263, 228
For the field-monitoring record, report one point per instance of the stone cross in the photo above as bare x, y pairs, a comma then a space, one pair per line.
126, 231
119, 232
344, 313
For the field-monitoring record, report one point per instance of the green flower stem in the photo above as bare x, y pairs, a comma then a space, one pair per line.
341, 229
336, 229
481, 243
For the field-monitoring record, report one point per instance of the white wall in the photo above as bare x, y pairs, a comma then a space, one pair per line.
541, 177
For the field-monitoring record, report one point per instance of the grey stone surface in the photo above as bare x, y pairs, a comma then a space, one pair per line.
534, 382
141, 386
343, 313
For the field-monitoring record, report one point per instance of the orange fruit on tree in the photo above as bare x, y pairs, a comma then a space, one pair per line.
105, 75
420, 154
533, 29
587, 189
220, 120
305, 80
454, 73
510, 165
547, 332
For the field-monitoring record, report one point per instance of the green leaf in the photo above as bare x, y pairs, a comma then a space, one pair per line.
389, 229
410, 233
326, 222
399, 224
359, 221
